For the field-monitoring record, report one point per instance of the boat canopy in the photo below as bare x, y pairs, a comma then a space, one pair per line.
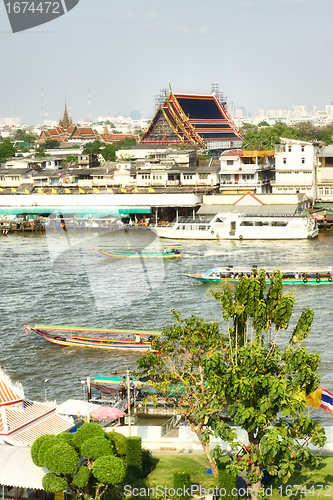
251, 210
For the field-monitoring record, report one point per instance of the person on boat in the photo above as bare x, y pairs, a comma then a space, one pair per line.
123, 387
138, 339
134, 387
139, 387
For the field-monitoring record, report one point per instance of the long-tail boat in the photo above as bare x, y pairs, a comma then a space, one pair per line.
140, 253
138, 344
299, 276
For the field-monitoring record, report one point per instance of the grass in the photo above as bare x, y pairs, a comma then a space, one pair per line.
303, 484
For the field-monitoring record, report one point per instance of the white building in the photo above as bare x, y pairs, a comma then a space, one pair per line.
295, 168
246, 171
325, 174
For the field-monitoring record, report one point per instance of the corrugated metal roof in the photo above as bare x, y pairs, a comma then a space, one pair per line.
252, 210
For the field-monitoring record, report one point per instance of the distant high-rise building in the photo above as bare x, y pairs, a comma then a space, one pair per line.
136, 115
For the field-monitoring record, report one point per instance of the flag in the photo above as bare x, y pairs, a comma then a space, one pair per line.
321, 398
54, 191
123, 190
1, 189
81, 190
136, 190
13, 190
26, 191
110, 190
67, 191
40, 191
151, 190
96, 190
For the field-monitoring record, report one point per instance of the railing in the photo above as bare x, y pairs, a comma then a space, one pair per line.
170, 424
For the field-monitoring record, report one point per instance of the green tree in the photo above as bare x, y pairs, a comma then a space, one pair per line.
25, 136
84, 462
248, 371
7, 149
51, 144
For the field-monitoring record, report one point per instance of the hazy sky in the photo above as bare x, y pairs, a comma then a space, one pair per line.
263, 54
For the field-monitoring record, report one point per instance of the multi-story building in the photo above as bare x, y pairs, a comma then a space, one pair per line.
295, 168
246, 171
324, 176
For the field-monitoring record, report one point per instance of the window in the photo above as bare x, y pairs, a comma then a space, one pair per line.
230, 162
321, 191
225, 177
289, 149
279, 223
307, 172
246, 223
303, 160
203, 176
262, 223
302, 149
284, 160
248, 176
327, 190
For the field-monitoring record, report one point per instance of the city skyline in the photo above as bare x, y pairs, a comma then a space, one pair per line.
110, 58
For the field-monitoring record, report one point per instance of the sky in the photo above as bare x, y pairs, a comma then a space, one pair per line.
264, 54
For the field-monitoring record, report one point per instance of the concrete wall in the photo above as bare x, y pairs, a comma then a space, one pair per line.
187, 440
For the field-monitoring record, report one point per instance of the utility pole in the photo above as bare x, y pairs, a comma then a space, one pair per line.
128, 397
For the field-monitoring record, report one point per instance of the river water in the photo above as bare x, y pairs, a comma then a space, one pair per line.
56, 278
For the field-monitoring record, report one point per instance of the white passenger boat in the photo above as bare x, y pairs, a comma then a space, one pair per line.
231, 226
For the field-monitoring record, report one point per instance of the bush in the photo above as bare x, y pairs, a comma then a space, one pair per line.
87, 431
134, 455
96, 447
81, 478
119, 442
109, 469
226, 479
40, 446
53, 483
62, 459
182, 480
147, 461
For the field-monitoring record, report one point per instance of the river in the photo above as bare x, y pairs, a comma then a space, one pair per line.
56, 278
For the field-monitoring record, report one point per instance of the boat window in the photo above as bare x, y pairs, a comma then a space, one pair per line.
219, 219
261, 223
279, 223
246, 223
181, 227
202, 228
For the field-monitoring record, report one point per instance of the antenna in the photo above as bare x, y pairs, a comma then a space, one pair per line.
43, 113
89, 105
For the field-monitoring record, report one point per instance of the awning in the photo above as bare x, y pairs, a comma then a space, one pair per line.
18, 470
76, 407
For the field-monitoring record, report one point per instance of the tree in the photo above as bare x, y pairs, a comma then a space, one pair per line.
7, 149
250, 372
51, 144
85, 462
25, 136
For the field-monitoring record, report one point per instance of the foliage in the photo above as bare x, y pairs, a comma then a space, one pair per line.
51, 144
95, 470
134, 455
248, 371
257, 138
119, 442
7, 150
181, 480
71, 158
61, 458
109, 469
108, 151
178, 371
53, 483
226, 480
42, 446
81, 477
87, 431
147, 461
25, 136
96, 447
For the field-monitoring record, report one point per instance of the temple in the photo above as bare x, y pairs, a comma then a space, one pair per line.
197, 120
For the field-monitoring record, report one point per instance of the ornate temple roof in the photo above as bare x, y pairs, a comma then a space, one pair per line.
198, 120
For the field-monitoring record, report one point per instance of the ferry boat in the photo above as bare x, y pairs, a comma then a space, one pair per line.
231, 226
298, 276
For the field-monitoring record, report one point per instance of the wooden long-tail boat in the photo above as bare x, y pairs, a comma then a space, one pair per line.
138, 253
138, 344
299, 276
